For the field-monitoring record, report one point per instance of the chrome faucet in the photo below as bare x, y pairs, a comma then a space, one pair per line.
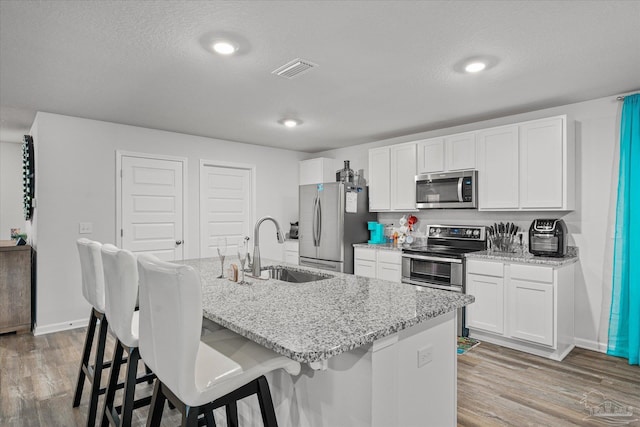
256, 242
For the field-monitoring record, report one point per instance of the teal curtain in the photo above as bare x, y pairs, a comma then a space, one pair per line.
624, 318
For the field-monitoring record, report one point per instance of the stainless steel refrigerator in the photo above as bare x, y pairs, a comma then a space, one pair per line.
333, 216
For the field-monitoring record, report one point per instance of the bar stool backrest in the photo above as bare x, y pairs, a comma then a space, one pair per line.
170, 322
92, 272
121, 292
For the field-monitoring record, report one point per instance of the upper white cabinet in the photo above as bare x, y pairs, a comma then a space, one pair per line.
379, 179
431, 155
527, 166
392, 172
543, 155
317, 171
448, 153
498, 168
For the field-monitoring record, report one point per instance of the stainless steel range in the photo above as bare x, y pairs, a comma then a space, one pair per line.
440, 263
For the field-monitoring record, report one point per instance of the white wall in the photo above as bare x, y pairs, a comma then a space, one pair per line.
590, 225
11, 214
75, 182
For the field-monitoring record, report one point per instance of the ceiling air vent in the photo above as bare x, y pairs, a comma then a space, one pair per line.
294, 68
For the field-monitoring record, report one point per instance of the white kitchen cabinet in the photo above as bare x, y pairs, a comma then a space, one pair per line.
403, 177
535, 306
291, 252
431, 155
392, 173
317, 171
379, 179
527, 166
378, 264
487, 313
448, 153
542, 158
498, 168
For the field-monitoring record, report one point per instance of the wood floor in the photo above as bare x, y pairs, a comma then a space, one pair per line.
496, 386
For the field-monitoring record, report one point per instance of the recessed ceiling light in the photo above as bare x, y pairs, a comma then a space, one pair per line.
291, 123
224, 48
474, 67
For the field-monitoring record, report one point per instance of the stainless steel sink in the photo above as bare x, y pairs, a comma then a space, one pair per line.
286, 274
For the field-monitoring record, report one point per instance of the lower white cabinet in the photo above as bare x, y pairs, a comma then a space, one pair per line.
378, 264
291, 252
522, 306
487, 311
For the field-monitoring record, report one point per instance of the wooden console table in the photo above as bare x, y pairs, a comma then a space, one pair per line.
15, 287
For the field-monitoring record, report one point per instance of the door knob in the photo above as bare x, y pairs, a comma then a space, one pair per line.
178, 242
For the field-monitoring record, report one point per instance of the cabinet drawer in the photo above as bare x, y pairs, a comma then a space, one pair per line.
486, 268
364, 268
532, 272
363, 253
392, 257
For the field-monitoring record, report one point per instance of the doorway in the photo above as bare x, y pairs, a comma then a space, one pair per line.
150, 204
227, 205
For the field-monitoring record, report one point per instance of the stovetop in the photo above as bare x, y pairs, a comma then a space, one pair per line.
451, 241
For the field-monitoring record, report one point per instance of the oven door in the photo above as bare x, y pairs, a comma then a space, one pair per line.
432, 271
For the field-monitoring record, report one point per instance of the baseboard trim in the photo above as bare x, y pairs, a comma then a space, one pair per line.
58, 327
591, 345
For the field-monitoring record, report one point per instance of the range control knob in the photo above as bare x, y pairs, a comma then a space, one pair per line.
468, 232
438, 231
432, 231
476, 233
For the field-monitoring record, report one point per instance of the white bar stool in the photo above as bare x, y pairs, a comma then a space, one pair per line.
93, 291
121, 293
195, 377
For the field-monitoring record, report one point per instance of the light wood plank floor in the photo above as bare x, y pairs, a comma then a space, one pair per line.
496, 386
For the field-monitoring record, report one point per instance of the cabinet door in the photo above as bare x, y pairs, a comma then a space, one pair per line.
364, 268
316, 171
541, 164
403, 177
388, 271
498, 168
460, 151
531, 311
487, 312
380, 179
431, 155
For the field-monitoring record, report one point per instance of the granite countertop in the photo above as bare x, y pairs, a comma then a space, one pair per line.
383, 246
311, 322
527, 258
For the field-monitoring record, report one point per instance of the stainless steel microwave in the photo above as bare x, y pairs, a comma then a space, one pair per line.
448, 190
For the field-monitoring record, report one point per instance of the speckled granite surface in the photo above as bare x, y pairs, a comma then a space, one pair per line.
310, 322
571, 257
383, 246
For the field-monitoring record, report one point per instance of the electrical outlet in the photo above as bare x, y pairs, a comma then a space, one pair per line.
425, 355
85, 228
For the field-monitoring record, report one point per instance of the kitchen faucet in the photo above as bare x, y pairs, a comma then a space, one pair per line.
256, 242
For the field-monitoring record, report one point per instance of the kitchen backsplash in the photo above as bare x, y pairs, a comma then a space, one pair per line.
472, 217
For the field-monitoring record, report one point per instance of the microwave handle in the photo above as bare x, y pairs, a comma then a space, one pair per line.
460, 189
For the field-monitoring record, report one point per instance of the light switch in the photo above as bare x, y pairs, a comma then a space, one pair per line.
86, 228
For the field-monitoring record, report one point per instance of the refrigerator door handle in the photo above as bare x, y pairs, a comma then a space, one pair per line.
319, 221
315, 221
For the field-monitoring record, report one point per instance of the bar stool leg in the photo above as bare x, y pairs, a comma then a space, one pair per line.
86, 353
130, 387
232, 414
190, 417
113, 383
157, 405
97, 373
266, 404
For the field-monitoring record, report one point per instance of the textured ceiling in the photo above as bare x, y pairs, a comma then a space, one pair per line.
385, 69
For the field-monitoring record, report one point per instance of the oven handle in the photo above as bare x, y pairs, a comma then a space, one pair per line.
460, 189
433, 285
432, 258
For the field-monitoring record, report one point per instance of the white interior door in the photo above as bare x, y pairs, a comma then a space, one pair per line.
152, 206
226, 206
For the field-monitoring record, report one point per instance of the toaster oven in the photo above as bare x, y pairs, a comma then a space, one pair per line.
548, 237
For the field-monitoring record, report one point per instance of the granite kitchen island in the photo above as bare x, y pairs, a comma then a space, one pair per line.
373, 352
